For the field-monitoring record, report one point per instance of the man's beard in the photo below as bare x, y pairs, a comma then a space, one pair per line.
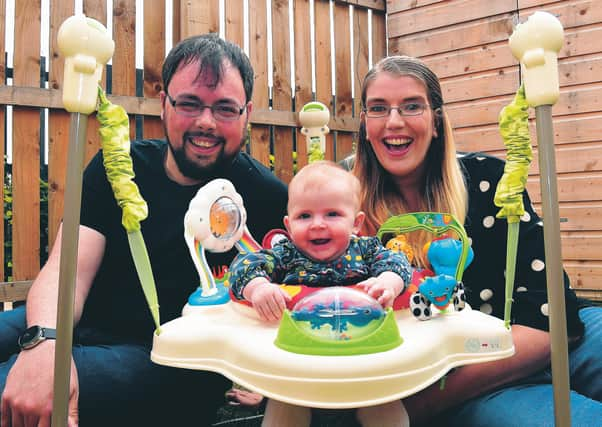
213, 170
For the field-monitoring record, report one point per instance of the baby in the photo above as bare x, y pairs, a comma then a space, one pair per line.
323, 250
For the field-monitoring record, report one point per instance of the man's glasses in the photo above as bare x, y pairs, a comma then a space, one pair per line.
222, 111
407, 109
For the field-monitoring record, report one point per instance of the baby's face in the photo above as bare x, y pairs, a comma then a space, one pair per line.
321, 222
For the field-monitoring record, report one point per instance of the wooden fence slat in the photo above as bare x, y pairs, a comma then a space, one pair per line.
303, 77
49, 98
2, 127
58, 141
324, 65
344, 100
570, 158
303, 58
571, 13
281, 91
58, 125
154, 47
572, 100
523, 4
402, 5
198, 17
93, 138
2, 42
580, 216
26, 145
343, 61
503, 81
567, 130
574, 158
153, 128
176, 22
581, 245
2, 192
14, 291
258, 54
124, 57
498, 55
490, 56
154, 54
360, 55
477, 33
379, 36
445, 14
571, 187
372, 4
585, 276
234, 12
96, 10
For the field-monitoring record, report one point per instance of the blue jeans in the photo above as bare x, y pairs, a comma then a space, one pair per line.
120, 386
530, 402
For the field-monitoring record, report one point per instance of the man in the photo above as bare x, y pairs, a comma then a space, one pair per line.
205, 109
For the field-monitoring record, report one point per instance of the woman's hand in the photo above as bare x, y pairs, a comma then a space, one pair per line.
384, 288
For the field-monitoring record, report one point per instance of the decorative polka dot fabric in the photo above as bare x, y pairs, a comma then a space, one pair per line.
484, 279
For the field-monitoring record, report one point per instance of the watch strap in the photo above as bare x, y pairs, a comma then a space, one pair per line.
34, 335
49, 333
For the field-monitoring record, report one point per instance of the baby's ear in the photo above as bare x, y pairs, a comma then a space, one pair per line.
358, 222
287, 223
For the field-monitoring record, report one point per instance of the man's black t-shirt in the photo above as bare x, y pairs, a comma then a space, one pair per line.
116, 302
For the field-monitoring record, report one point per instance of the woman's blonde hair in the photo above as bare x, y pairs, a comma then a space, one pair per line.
444, 186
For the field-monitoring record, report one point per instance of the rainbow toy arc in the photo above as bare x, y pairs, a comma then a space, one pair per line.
247, 243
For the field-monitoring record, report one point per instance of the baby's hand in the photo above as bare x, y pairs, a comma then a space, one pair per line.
269, 301
384, 288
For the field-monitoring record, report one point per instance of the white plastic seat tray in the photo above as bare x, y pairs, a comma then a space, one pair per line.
231, 340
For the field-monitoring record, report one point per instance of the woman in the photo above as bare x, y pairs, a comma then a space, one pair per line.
407, 162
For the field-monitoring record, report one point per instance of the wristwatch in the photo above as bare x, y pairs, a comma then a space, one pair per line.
34, 335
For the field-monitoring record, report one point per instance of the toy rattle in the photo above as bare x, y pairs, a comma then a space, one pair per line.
215, 220
445, 287
314, 117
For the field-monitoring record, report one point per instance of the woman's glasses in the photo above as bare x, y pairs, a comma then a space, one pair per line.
406, 109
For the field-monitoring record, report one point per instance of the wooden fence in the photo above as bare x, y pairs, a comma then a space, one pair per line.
466, 44
346, 35
464, 41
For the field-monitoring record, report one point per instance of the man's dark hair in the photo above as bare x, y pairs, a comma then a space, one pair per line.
210, 51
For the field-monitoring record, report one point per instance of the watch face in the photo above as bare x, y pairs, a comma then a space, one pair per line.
30, 337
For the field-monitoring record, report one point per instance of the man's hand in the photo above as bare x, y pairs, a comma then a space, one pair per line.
28, 394
269, 301
384, 288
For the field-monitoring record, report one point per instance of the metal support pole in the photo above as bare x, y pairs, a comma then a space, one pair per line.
554, 273
68, 268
